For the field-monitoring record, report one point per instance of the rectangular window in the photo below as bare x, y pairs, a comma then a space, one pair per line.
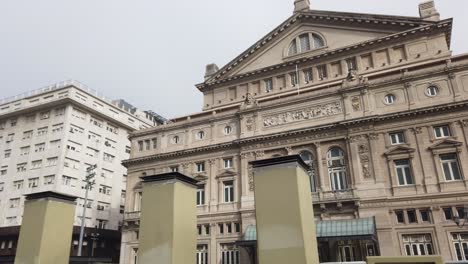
60, 111
308, 75
112, 129
2, 185
200, 166
293, 78
36, 164
68, 181
322, 72
460, 245
140, 145
155, 143
268, 85
52, 161
461, 212
76, 130
400, 217
147, 144
397, 138
403, 171
174, 169
229, 254
442, 131
24, 151
3, 172
418, 245
425, 215
44, 115
351, 64
108, 157
14, 202
450, 167
42, 131
227, 163
71, 163
96, 122
17, 185
412, 216
7, 153
48, 180
107, 190
202, 254
33, 182
13, 122
10, 138
448, 215
21, 167
201, 195
221, 228
101, 223
55, 144
27, 134
228, 187
338, 179
39, 147
57, 128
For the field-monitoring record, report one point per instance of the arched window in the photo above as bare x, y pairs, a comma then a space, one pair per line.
201, 135
337, 169
227, 130
176, 139
305, 42
390, 99
432, 90
308, 158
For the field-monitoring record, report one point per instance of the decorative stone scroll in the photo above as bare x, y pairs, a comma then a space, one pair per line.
303, 114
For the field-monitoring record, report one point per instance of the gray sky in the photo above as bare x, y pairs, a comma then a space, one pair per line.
152, 52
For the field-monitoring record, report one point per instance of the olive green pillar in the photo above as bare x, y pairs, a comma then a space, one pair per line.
168, 221
46, 230
285, 217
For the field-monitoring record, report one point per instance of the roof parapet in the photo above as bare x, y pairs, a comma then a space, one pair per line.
301, 5
428, 11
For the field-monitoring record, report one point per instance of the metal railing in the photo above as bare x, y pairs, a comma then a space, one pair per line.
54, 87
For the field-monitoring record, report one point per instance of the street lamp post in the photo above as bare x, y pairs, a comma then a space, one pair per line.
89, 182
462, 220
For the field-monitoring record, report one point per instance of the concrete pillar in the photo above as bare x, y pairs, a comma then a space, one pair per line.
285, 217
168, 220
46, 231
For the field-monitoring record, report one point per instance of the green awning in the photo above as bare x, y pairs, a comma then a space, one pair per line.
352, 228
346, 228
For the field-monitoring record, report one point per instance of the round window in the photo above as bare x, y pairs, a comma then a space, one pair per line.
432, 90
390, 99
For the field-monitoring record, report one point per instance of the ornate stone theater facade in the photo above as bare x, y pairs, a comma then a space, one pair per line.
376, 105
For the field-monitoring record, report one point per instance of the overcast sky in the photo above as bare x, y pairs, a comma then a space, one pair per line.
152, 52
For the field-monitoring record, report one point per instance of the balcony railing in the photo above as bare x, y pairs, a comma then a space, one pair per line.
132, 215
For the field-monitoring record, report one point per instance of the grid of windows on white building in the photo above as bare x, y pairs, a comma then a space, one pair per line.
229, 254
418, 244
202, 254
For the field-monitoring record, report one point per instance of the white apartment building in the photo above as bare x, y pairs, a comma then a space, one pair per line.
49, 137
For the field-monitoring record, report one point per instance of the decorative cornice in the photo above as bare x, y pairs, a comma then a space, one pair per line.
424, 27
264, 138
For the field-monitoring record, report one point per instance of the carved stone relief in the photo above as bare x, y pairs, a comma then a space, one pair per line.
303, 114
356, 103
249, 123
364, 156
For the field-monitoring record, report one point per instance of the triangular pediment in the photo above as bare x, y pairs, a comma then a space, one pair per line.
226, 173
400, 150
446, 143
201, 177
338, 30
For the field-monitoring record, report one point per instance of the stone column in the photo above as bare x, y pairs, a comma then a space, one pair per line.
285, 217
47, 227
168, 220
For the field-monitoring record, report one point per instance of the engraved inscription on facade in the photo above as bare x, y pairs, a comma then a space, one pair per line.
303, 114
